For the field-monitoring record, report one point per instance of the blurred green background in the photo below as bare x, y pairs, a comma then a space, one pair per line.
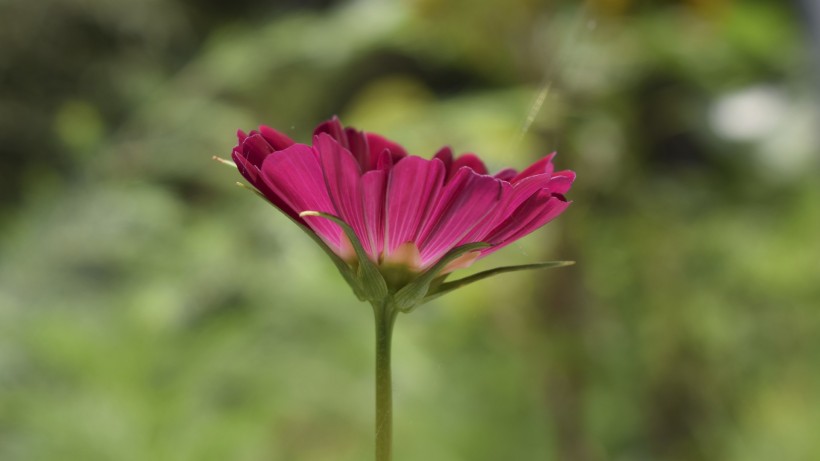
152, 310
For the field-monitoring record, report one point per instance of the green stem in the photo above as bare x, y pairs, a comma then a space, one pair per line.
385, 318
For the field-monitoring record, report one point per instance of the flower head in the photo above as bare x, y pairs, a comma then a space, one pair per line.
371, 204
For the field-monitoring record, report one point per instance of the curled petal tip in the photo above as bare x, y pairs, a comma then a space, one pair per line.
309, 213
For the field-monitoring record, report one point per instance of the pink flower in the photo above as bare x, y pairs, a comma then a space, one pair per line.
406, 211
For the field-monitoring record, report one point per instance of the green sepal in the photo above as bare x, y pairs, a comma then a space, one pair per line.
447, 287
344, 268
413, 294
371, 280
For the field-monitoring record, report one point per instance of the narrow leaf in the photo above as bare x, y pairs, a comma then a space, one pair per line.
447, 287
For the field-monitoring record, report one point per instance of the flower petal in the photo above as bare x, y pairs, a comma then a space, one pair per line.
247, 169
507, 174
255, 148
491, 219
343, 179
461, 206
445, 154
365, 147
385, 161
294, 175
561, 181
378, 144
523, 190
533, 213
252, 174
334, 128
276, 139
412, 189
542, 166
469, 160
358, 147
374, 187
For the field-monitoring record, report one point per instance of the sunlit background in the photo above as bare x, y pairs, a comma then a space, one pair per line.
152, 310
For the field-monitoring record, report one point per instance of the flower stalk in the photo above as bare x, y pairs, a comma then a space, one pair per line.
385, 317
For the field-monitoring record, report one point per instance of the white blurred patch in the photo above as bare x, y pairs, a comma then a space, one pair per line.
751, 114
782, 131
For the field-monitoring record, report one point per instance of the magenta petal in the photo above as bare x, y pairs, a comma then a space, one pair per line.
461, 206
334, 128
252, 174
276, 139
554, 207
377, 144
561, 181
248, 170
560, 184
523, 190
385, 161
295, 176
343, 178
365, 147
469, 160
491, 220
536, 211
542, 166
412, 188
374, 187
255, 148
445, 154
359, 148
506, 174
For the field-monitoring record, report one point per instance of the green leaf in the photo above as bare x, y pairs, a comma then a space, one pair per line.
413, 294
343, 267
447, 287
372, 282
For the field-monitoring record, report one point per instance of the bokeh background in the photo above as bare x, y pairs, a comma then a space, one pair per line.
152, 310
